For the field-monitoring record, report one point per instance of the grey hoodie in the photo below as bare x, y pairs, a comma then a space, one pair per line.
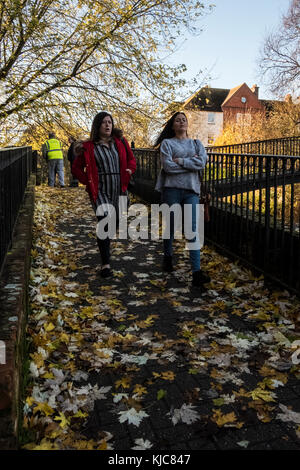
184, 174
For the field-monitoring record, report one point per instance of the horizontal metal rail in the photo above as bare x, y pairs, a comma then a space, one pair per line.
281, 146
16, 164
255, 207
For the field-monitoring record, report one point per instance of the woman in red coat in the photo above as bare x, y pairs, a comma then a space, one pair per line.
105, 165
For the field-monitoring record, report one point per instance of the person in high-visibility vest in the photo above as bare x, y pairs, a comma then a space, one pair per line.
52, 152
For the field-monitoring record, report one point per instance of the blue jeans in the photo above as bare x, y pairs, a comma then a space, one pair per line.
56, 166
184, 197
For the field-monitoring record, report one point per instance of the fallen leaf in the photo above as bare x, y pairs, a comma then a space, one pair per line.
260, 394
161, 394
221, 419
186, 414
132, 416
63, 420
288, 415
142, 445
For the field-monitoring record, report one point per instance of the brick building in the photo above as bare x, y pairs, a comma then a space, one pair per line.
209, 109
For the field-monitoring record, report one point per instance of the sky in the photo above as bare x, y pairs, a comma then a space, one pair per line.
229, 46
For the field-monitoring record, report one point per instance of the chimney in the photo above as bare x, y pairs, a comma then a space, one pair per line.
255, 89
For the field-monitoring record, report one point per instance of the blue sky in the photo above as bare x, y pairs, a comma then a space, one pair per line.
229, 45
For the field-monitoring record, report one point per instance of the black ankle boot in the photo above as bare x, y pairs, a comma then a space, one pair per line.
200, 278
167, 264
106, 272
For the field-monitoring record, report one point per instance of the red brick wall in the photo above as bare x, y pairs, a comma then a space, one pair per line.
234, 104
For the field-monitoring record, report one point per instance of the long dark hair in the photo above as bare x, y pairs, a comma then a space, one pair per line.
95, 130
168, 131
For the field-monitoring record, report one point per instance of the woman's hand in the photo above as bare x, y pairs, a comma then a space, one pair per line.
129, 171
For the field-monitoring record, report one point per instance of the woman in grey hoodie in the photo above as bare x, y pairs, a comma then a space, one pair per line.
179, 183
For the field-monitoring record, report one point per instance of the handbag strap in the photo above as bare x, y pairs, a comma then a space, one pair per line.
200, 172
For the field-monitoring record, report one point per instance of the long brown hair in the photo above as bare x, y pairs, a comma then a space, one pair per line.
168, 131
95, 130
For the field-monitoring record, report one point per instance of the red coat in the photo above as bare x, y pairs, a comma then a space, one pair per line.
85, 169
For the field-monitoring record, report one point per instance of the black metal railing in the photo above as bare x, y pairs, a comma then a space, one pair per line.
281, 146
16, 165
255, 208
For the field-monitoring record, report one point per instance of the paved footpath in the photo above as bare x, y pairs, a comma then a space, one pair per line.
144, 360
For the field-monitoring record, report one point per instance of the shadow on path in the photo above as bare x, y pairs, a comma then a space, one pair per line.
143, 360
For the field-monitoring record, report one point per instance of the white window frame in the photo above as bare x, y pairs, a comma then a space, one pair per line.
211, 118
244, 118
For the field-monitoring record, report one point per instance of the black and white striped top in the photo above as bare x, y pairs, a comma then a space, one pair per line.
108, 164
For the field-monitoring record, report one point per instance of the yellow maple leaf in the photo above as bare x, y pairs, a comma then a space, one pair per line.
34, 253
124, 382
156, 375
87, 312
106, 288
168, 375
150, 320
37, 359
48, 375
270, 372
260, 394
29, 401
80, 414
64, 338
221, 419
49, 327
261, 315
139, 389
63, 420
44, 408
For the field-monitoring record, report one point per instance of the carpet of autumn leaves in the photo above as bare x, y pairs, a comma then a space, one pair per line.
142, 360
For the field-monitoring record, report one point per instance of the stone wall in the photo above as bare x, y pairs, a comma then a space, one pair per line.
199, 128
13, 312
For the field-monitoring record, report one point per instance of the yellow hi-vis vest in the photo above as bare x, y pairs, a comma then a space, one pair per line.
54, 150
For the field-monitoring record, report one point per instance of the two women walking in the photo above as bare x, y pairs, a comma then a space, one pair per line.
105, 164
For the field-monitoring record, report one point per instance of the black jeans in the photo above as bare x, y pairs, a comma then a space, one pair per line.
104, 245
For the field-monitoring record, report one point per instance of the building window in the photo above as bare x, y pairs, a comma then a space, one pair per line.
211, 118
243, 118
